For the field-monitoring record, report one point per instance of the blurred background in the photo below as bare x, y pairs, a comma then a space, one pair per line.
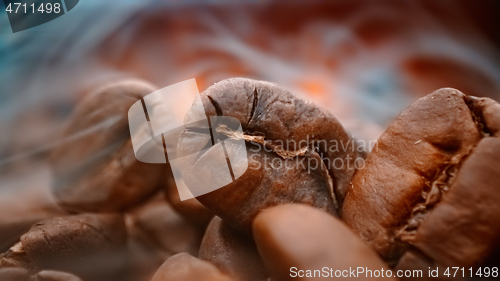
362, 60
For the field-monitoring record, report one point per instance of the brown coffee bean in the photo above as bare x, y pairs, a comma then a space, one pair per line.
14, 274
20, 274
185, 267
295, 237
278, 128
88, 245
50, 275
144, 253
430, 187
190, 209
166, 228
469, 211
232, 252
413, 260
32, 186
94, 165
144, 256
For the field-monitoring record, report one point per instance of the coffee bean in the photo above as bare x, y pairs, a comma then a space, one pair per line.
14, 274
166, 228
20, 274
185, 267
278, 128
293, 237
88, 245
50, 275
191, 209
470, 211
430, 187
232, 252
94, 165
144, 255
38, 204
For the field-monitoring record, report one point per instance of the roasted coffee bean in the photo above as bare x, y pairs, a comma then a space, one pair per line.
50, 275
144, 256
188, 268
20, 274
155, 233
289, 149
469, 211
88, 245
14, 274
232, 252
293, 237
415, 261
32, 186
190, 209
429, 191
94, 165
166, 228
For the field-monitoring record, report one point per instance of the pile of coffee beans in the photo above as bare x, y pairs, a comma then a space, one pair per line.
426, 196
